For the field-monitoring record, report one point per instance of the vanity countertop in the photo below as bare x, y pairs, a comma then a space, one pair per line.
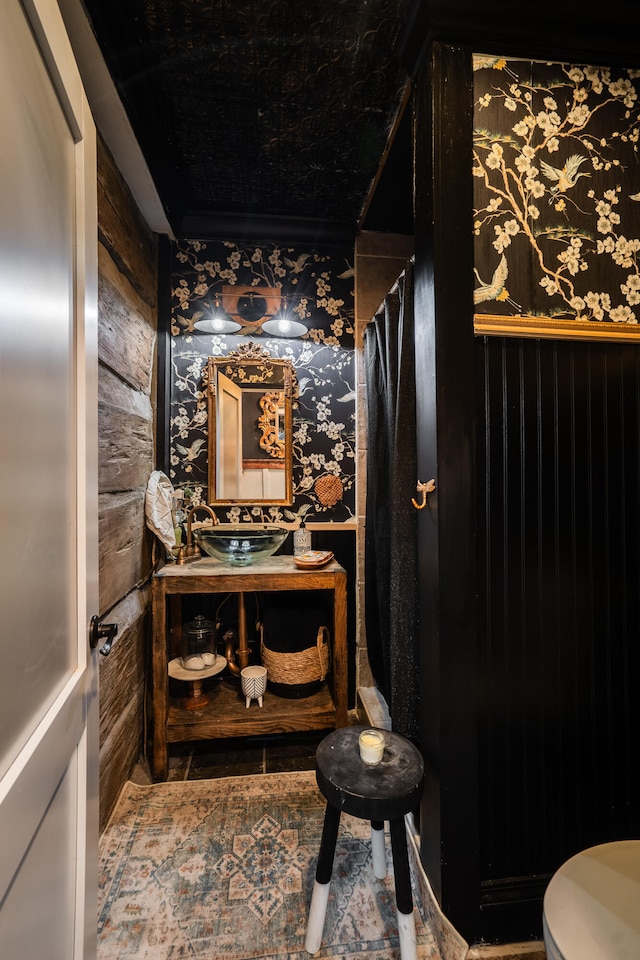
272, 566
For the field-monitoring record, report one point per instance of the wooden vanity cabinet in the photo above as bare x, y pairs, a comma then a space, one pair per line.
226, 715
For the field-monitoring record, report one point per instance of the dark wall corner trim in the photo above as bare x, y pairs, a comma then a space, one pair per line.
164, 353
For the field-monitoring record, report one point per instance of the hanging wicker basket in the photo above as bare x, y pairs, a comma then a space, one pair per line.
292, 673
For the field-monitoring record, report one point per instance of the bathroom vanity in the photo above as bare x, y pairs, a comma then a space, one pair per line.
226, 715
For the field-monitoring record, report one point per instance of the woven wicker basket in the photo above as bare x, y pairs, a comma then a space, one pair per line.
301, 667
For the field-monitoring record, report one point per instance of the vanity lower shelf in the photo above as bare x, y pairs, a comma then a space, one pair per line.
227, 716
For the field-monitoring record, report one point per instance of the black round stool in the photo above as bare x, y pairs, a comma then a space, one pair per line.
386, 791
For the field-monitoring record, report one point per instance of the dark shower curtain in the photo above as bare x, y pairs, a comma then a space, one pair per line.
391, 519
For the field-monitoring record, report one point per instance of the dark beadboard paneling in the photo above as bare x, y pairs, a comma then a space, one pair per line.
559, 562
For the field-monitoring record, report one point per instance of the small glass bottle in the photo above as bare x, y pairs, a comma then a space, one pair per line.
178, 515
301, 539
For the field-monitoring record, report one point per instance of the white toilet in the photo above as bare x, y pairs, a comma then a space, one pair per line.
592, 905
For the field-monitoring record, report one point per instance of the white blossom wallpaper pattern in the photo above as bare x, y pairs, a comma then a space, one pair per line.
556, 191
319, 291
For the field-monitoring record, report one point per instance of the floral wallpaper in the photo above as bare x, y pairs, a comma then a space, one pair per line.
319, 291
556, 190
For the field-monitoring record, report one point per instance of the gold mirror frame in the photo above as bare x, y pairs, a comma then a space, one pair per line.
250, 367
269, 423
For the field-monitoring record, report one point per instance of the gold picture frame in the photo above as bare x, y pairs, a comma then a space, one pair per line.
545, 329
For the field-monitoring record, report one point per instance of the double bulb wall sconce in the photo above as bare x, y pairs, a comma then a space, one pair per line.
250, 310
218, 320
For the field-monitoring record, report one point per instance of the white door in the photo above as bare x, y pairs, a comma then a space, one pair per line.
48, 497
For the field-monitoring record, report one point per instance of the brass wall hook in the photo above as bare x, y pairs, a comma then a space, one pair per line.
424, 489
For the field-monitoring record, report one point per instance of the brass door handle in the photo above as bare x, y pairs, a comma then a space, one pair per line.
424, 489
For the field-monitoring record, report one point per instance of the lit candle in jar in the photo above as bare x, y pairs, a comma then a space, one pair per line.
371, 746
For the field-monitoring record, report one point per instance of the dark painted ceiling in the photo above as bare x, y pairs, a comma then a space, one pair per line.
249, 110
284, 118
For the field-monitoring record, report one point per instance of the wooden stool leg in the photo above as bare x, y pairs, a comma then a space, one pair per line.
377, 849
320, 895
404, 899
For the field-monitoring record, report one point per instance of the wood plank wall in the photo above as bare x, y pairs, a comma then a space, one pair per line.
127, 334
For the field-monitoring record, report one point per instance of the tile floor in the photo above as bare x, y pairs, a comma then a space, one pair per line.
242, 756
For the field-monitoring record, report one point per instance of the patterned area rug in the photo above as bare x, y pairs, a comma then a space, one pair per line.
224, 869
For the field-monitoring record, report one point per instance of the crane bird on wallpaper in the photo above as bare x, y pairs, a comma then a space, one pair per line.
297, 266
193, 452
496, 289
349, 272
482, 61
566, 176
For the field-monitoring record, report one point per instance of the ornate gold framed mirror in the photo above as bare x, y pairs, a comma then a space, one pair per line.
250, 400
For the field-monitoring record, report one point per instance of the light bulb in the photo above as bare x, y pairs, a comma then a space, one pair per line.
283, 327
217, 324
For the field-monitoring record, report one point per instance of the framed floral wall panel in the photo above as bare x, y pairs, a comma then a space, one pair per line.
556, 200
319, 288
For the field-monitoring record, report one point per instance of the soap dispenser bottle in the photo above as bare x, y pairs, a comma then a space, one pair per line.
301, 539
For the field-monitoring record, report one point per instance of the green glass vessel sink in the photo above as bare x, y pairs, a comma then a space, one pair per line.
240, 544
